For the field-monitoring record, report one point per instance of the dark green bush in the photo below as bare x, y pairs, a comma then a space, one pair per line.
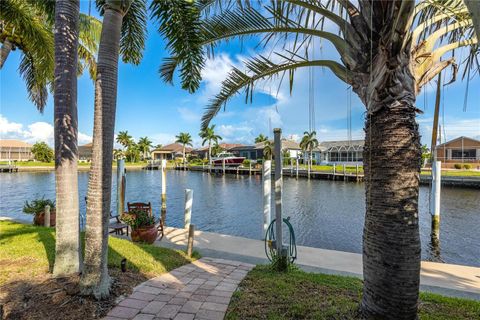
467, 166
457, 166
38, 205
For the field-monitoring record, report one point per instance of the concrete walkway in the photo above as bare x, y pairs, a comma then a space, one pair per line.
200, 290
442, 278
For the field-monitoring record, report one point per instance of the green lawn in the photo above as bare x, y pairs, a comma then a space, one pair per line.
264, 294
27, 251
52, 164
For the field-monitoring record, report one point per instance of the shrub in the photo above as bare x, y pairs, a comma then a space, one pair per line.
314, 162
246, 163
42, 152
467, 166
138, 219
457, 166
259, 161
38, 205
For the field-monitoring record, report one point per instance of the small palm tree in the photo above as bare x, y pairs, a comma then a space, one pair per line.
261, 138
185, 139
144, 144
208, 135
216, 149
268, 150
124, 139
308, 143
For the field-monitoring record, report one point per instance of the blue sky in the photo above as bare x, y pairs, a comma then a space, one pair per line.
146, 106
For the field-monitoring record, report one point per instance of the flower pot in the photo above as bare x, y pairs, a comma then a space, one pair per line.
39, 218
145, 234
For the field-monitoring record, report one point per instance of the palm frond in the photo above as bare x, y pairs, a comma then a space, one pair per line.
134, 32
179, 23
261, 68
35, 81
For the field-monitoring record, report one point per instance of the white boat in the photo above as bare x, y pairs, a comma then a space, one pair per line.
228, 158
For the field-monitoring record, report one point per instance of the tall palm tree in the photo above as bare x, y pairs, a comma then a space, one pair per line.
261, 138
268, 150
185, 139
124, 139
123, 32
309, 143
144, 144
208, 135
28, 25
388, 51
67, 244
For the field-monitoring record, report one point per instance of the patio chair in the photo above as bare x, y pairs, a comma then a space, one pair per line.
146, 207
116, 226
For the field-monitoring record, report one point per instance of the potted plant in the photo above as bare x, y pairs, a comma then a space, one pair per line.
37, 208
142, 225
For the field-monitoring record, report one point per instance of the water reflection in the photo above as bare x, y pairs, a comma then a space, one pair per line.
324, 214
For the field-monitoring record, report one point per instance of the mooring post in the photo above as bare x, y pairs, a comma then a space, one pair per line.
296, 164
223, 165
164, 191
191, 234
46, 216
121, 180
291, 167
188, 207
344, 172
250, 168
267, 194
435, 198
356, 171
334, 171
282, 265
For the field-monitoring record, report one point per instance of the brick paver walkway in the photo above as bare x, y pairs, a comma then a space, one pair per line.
200, 290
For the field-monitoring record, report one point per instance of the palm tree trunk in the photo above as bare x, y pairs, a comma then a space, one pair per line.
392, 160
95, 279
4, 52
184, 158
474, 9
67, 245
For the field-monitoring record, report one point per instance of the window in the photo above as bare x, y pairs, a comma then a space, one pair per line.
467, 154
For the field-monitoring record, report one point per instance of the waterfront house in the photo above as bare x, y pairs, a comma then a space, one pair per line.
15, 150
343, 151
459, 150
255, 152
170, 152
202, 152
85, 152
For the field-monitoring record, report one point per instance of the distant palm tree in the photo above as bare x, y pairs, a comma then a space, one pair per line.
158, 146
261, 138
124, 139
144, 144
216, 149
308, 143
185, 139
268, 150
209, 135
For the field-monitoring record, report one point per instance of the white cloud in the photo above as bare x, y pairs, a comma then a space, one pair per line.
162, 138
189, 115
37, 131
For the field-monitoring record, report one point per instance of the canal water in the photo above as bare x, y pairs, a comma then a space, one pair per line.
324, 214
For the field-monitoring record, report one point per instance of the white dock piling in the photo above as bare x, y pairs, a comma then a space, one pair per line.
435, 197
267, 194
188, 207
164, 191
121, 184
46, 216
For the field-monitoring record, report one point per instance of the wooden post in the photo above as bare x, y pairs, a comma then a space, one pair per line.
291, 167
296, 163
435, 198
223, 165
121, 181
46, 216
344, 173
334, 171
164, 191
250, 168
188, 207
282, 265
267, 194
356, 171
191, 234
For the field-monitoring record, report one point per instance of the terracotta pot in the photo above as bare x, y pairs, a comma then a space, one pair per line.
146, 234
39, 218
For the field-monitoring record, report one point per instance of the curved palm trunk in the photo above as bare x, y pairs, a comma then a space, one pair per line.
95, 279
67, 245
4, 52
392, 160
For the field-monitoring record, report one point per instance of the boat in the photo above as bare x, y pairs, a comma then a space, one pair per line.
229, 158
